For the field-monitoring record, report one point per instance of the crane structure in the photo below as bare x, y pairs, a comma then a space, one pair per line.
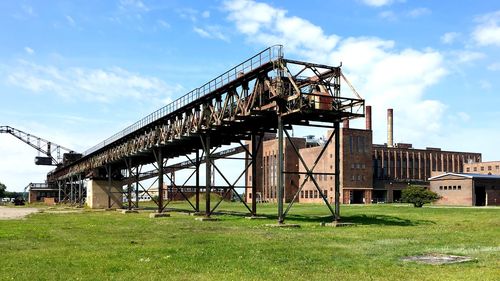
52, 151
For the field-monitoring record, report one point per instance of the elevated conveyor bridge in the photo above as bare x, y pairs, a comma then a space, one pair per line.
265, 94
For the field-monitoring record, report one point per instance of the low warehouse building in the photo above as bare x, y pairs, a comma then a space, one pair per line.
466, 189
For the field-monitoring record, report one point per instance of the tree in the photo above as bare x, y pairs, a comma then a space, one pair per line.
2, 190
418, 196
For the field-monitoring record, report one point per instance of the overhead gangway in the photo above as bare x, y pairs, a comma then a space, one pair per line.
266, 93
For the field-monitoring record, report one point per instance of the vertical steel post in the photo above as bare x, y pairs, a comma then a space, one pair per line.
137, 187
59, 195
197, 180
109, 186
254, 174
208, 175
160, 181
337, 170
280, 164
80, 190
71, 193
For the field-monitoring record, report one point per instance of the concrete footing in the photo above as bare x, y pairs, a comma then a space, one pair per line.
283, 225
206, 219
159, 215
197, 214
255, 218
337, 224
129, 212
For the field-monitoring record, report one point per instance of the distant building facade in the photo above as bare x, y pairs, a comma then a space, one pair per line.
466, 189
368, 172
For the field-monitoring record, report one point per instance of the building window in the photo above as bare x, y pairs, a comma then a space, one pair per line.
497, 167
445, 187
454, 187
302, 194
459, 187
467, 169
482, 168
325, 192
306, 194
489, 168
331, 155
363, 166
475, 169
250, 195
440, 187
315, 194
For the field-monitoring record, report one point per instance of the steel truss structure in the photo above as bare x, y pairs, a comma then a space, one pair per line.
265, 94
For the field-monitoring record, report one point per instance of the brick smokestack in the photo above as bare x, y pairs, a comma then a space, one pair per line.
368, 117
390, 132
345, 124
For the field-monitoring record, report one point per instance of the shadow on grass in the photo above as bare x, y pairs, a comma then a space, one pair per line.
361, 219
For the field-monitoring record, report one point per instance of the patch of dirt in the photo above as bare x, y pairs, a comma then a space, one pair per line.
437, 259
15, 213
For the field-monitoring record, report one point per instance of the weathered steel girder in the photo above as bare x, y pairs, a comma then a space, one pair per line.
246, 101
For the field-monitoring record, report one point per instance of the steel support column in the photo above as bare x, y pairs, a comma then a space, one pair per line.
159, 161
197, 204
208, 175
336, 126
109, 185
254, 173
280, 168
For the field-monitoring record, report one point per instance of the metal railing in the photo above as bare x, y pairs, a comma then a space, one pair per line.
270, 54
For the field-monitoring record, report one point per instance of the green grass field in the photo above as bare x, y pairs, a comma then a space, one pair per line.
113, 246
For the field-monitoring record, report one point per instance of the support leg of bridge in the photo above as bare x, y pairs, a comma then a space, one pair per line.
159, 162
337, 170
137, 187
254, 174
197, 180
280, 182
208, 176
59, 192
101, 192
80, 190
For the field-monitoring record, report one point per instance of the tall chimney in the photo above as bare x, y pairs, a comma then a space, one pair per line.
368, 117
390, 124
345, 124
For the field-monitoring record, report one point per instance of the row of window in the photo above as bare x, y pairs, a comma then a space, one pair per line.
317, 177
358, 166
497, 167
358, 178
312, 194
450, 187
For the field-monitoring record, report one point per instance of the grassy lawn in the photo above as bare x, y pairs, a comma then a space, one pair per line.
113, 246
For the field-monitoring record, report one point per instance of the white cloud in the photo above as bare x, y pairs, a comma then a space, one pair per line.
384, 75
388, 15
163, 24
103, 85
377, 3
137, 5
466, 56
205, 14
449, 37
418, 12
70, 20
212, 32
487, 32
267, 25
494, 66
485, 85
29, 51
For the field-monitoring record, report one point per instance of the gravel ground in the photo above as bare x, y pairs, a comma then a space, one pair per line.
15, 213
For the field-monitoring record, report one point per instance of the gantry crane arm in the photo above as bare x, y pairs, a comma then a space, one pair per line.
42, 145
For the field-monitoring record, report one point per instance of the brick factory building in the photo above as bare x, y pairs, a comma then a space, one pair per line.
485, 168
466, 189
368, 172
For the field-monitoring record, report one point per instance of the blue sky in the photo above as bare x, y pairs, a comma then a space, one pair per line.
75, 72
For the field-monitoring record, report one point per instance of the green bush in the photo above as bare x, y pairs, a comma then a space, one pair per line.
418, 196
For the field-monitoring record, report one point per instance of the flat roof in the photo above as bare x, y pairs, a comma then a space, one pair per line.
466, 175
